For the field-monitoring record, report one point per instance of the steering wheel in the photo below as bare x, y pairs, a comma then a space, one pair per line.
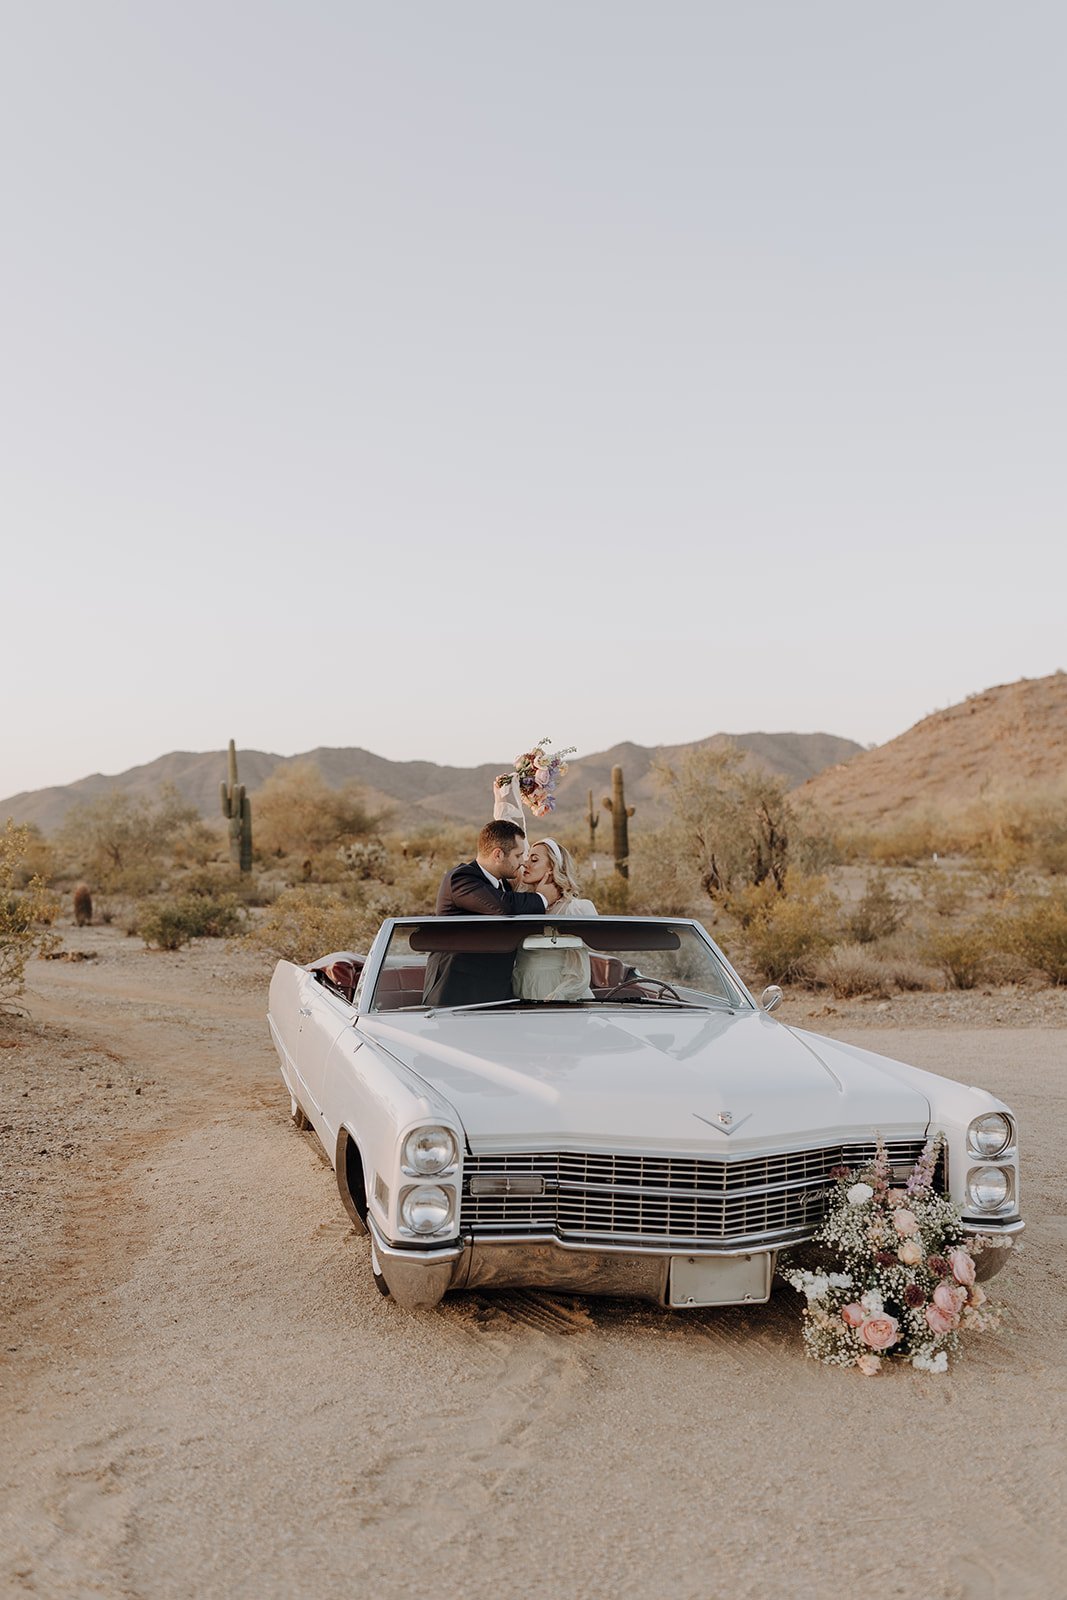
642, 986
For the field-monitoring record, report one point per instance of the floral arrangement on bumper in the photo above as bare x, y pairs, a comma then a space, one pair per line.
906, 1289
537, 774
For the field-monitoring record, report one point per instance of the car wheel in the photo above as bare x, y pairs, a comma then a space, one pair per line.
299, 1119
376, 1272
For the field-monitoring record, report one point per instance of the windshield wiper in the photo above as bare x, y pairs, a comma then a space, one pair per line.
480, 1005
661, 1000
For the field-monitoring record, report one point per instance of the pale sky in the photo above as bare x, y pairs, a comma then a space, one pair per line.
433, 377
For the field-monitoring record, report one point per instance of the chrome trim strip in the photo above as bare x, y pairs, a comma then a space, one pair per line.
991, 1225
450, 1251
763, 1244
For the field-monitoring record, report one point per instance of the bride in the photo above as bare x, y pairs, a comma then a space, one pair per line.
547, 974
553, 974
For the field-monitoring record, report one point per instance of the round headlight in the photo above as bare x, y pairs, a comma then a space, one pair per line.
988, 1187
426, 1209
429, 1150
990, 1135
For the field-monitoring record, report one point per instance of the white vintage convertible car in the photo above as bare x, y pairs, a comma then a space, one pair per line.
659, 1134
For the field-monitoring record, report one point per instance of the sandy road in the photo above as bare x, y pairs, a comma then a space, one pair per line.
204, 1395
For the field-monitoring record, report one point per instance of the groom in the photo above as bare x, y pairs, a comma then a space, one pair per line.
482, 887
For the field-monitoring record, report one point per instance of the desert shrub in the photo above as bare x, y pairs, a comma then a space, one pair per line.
611, 894
37, 859
786, 934
297, 813
365, 858
878, 912
943, 891
908, 972
732, 820
1037, 934
304, 923
25, 914
118, 843
852, 969
964, 954
907, 840
169, 924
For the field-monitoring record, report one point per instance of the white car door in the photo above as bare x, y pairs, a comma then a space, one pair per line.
323, 1018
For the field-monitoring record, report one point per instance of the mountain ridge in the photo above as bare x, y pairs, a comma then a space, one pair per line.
418, 793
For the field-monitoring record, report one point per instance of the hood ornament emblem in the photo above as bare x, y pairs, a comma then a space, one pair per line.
723, 1122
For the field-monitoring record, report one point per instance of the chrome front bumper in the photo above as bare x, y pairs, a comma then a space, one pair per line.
418, 1278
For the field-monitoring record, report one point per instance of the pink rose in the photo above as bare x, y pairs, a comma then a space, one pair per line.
880, 1332
852, 1315
910, 1253
542, 775
947, 1296
905, 1222
962, 1264
939, 1321
869, 1365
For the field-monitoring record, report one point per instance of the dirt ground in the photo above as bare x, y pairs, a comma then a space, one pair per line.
204, 1395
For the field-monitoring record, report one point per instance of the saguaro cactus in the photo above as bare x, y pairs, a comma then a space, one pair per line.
620, 813
238, 807
593, 819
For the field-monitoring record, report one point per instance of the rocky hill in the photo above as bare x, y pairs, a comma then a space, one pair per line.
414, 792
1005, 741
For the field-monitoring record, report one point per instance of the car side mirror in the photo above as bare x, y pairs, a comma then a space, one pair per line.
771, 997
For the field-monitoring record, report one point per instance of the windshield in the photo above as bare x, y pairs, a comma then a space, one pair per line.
516, 963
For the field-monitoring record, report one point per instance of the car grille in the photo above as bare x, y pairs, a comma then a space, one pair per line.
678, 1200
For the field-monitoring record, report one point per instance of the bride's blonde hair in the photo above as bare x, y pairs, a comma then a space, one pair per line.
564, 875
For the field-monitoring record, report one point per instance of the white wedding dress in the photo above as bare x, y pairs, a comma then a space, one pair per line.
555, 974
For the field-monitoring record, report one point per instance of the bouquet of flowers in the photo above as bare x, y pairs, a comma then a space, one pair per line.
537, 773
906, 1289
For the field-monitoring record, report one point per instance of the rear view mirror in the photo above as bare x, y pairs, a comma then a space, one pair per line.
552, 941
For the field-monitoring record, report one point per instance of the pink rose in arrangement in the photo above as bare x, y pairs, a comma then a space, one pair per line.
869, 1365
542, 775
962, 1264
880, 1332
949, 1297
905, 1222
939, 1321
910, 1253
852, 1315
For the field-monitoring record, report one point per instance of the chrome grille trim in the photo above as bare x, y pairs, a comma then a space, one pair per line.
673, 1200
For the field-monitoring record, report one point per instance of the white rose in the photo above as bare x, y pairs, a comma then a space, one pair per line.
859, 1193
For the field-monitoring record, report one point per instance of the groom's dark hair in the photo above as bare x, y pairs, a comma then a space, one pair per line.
498, 835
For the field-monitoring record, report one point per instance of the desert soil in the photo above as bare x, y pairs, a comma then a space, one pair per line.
204, 1395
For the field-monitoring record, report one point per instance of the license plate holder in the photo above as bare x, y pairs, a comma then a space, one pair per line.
720, 1280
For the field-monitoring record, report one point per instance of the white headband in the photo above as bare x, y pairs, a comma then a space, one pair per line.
554, 851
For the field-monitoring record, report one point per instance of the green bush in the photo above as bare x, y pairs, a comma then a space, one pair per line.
169, 924
786, 934
1038, 936
303, 924
851, 969
878, 913
24, 914
964, 954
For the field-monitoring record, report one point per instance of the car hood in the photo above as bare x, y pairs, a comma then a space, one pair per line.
655, 1079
